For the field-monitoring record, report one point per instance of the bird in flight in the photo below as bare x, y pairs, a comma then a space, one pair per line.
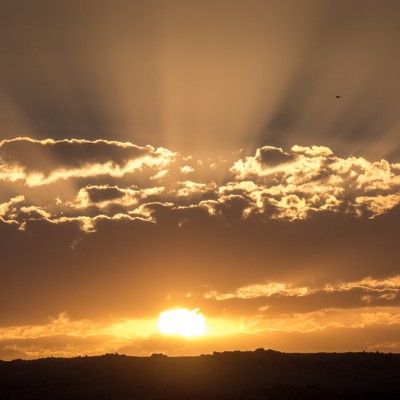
338, 97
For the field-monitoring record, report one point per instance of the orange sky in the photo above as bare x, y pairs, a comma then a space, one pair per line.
164, 154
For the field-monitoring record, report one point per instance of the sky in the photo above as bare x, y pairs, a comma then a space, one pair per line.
160, 155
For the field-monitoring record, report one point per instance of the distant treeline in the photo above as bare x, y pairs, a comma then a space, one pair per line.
261, 374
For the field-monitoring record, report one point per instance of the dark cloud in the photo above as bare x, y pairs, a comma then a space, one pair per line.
272, 156
99, 194
42, 156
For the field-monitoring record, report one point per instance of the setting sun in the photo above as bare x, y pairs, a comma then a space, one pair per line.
182, 322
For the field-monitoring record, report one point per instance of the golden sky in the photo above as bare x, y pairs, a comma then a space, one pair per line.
180, 154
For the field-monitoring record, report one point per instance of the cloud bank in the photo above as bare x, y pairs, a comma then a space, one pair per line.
94, 178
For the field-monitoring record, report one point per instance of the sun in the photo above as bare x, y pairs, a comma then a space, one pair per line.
182, 322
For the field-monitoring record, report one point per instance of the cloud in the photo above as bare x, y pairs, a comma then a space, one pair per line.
35, 212
89, 224
63, 336
266, 160
8, 206
260, 290
186, 169
191, 189
378, 204
103, 196
369, 284
276, 298
42, 162
313, 179
267, 289
111, 178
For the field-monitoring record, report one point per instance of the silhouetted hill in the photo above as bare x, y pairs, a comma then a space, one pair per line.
262, 374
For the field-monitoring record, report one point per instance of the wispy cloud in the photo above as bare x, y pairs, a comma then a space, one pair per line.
389, 285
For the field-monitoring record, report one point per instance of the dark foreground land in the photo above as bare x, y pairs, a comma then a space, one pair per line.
262, 374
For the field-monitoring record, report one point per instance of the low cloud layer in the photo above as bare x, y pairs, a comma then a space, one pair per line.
327, 330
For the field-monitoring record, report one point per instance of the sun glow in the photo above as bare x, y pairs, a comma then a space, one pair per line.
182, 322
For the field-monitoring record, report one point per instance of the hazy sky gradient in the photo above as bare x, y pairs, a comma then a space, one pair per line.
160, 154
206, 76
